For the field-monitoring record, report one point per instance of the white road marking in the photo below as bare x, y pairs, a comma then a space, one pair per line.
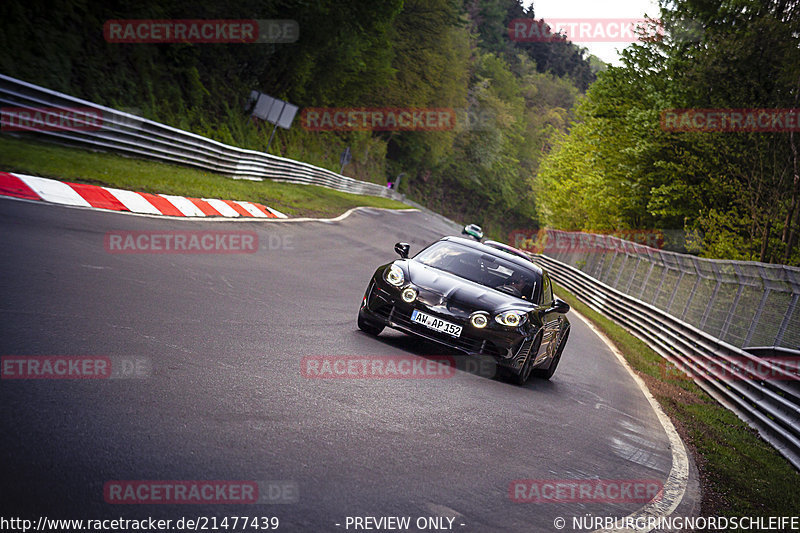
678, 478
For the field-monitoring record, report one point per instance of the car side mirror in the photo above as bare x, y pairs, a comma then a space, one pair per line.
402, 249
558, 306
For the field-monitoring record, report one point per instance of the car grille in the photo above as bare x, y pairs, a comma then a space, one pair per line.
464, 342
381, 303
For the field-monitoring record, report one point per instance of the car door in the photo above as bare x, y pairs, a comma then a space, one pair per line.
550, 321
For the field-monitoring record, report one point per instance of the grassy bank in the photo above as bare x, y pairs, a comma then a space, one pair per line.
740, 474
52, 161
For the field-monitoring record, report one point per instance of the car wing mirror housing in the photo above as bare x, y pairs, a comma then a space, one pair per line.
402, 249
559, 306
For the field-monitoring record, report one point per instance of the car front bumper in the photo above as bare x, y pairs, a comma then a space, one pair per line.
509, 347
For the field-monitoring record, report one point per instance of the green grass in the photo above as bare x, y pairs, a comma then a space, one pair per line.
741, 475
72, 164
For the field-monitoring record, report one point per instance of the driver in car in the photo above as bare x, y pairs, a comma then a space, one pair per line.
516, 285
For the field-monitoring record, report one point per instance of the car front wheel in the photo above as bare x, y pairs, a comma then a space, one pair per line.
525, 371
369, 327
547, 373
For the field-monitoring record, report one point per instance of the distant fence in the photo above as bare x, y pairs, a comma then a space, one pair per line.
131, 135
749, 305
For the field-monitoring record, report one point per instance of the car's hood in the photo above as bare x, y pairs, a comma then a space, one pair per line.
461, 293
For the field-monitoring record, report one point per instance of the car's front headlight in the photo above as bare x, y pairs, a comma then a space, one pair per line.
408, 295
479, 319
394, 275
511, 318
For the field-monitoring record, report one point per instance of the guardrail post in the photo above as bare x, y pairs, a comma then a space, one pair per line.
731, 313
697, 279
600, 257
660, 283
610, 267
710, 304
633, 274
785, 321
646, 279
757, 317
675, 291
621, 268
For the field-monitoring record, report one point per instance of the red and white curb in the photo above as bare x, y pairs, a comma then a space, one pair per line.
80, 195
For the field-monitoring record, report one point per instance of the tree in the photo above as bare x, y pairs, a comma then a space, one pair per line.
734, 187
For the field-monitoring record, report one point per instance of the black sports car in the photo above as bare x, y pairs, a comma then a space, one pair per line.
475, 298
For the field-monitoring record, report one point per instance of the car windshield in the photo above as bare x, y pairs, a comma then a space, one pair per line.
481, 267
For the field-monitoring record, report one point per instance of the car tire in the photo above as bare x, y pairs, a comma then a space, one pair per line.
525, 371
369, 327
547, 373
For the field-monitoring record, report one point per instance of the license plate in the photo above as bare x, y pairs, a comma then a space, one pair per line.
436, 324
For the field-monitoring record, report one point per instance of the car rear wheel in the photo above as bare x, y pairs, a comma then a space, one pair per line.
369, 327
547, 373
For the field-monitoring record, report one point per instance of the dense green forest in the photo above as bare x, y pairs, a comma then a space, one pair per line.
734, 193
510, 98
546, 134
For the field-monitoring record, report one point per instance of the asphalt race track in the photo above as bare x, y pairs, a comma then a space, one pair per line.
223, 397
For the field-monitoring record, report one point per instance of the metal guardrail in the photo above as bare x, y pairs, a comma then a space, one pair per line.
131, 135
725, 372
